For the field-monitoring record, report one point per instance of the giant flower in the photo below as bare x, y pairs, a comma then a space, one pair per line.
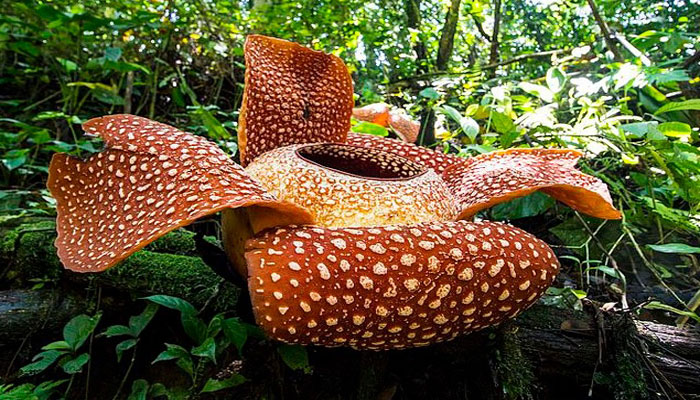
346, 239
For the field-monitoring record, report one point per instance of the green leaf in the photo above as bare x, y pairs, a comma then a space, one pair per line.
138, 323
214, 385
117, 330
693, 104
639, 130
556, 78
467, 124
194, 327
15, 158
75, 365
174, 303
68, 65
48, 115
295, 357
107, 96
615, 273
41, 361
528, 206
78, 329
173, 351
236, 332
370, 128
537, 90
655, 305
60, 345
206, 350
502, 123
24, 48
675, 129
113, 53
674, 248
139, 390
124, 346
429, 93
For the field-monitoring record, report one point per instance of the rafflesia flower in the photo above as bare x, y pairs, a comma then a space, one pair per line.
346, 239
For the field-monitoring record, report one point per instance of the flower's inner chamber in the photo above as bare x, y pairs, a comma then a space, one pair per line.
360, 162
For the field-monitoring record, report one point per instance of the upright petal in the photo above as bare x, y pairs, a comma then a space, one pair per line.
151, 179
292, 95
486, 180
393, 287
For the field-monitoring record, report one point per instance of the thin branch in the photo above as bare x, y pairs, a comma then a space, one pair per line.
480, 28
607, 36
513, 60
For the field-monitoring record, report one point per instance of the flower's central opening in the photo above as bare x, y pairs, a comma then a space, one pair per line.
360, 161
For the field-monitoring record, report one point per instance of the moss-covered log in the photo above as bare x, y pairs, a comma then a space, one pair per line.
167, 266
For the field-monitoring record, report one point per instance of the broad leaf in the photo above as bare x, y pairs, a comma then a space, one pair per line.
655, 305
236, 332
42, 361
78, 329
75, 365
123, 346
117, 330
137, 323
675, 129
295, 357
674, 248
693, 104
370, 128
206, 350
214, 385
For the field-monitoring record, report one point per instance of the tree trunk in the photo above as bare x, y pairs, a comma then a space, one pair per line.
493, 55
413, 22
447, 36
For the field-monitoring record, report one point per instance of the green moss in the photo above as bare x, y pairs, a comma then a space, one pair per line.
179, 241
514, 369
187, 277
29, 252
628, 377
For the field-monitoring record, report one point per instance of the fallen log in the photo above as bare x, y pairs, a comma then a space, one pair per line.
29, 312
543, 349
167, 266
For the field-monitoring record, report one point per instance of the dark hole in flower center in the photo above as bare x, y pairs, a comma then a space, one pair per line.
360, 161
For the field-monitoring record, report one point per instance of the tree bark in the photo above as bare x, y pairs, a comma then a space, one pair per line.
447, 36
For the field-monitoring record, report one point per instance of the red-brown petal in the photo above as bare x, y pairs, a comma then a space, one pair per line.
483, 181
152, 179
292, 95
422, 155
393, 287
